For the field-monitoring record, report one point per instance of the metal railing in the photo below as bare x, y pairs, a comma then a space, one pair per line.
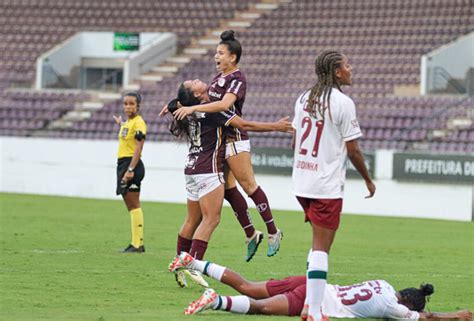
442, 79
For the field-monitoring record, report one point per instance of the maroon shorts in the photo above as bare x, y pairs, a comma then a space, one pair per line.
294, 288
324, 213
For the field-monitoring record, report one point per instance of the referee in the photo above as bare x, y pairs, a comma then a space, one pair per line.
130, 169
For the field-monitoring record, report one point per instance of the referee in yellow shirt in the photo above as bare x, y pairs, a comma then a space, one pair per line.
130, 169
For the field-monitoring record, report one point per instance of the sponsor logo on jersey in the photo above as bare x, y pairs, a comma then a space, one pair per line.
214, 94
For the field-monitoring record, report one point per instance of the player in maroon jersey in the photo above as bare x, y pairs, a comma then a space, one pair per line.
373, 299
227, 93
204, 167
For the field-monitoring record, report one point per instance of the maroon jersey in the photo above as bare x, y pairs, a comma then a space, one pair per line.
206, 138
236, 84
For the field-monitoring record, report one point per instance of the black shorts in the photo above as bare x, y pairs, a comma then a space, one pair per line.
134, 184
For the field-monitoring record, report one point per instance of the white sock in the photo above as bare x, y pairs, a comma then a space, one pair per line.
307, 266
197, 265
316, 282
236, 304
215, 271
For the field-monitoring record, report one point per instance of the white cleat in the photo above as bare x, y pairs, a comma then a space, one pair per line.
181, 279
197, 277
274, 243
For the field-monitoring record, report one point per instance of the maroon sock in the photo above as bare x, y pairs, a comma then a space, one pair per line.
261, 202
183, 245
241, 210
198, 249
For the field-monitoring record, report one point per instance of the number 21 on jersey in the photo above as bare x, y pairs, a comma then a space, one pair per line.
309, 124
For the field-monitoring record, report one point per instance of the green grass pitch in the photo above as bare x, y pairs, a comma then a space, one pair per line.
59, 259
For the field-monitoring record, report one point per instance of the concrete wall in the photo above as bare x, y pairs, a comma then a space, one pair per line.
99, 46
86, 168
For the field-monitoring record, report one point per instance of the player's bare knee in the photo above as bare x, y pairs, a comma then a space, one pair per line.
260, 308
249, 186
212, 221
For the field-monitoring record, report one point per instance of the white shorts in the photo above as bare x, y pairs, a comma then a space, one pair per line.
201, 184
237, 147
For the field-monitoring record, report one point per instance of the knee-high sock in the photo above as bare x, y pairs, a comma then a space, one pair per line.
261, 202
213, 270
241, 210
136, 216
236, 304
183, 244
310, 252
198, 249
316, 282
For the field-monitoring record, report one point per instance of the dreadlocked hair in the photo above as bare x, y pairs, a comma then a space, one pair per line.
325, 67
180, 128
416, 297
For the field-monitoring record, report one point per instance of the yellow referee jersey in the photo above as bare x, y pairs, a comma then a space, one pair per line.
128, 129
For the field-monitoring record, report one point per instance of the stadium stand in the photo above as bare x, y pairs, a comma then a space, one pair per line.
383, 39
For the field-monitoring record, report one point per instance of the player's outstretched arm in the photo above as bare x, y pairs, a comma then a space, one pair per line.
464, 315
217, 106
282, 125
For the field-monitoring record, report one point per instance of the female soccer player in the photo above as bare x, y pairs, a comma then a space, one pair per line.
326, 132
130, 168
204, 165
375, 299
227, 93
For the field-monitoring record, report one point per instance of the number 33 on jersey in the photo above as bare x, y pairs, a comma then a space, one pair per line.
319, 167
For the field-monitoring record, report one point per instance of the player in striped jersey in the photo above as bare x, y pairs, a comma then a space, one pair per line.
226, 92
204, 166
373, 299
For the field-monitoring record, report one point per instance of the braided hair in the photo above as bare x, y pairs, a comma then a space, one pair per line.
325, 67
416, 297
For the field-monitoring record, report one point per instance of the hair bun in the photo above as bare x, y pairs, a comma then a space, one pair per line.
427, 289
228, 35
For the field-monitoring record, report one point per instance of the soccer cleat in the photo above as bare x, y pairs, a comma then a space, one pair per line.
274, 243
171, 266
205, 302
180, 278
181, 262
252, 245
196, 276
133, 249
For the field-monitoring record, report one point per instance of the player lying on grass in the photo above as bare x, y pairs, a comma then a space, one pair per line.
369, 299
